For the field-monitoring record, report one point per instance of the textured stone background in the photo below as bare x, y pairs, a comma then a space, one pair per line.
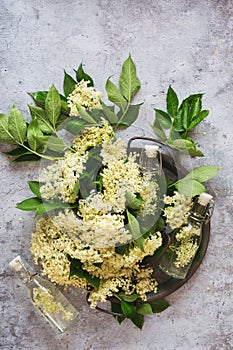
181, 42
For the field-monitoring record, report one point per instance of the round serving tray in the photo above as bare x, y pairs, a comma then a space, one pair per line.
166, 284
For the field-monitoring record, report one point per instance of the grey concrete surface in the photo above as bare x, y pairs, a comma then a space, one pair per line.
188, 44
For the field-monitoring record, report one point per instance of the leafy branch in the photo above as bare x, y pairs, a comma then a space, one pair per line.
35, 138
192, 184
132, 307
129, 85
179, 120
51, 112
39, 205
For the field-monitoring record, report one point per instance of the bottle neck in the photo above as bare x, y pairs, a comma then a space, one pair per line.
199, 211
23, 270
150, 160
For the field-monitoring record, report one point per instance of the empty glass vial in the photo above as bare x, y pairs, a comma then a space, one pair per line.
47, 298
186, 240
150, 159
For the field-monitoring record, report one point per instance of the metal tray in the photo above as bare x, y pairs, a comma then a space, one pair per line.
166, 284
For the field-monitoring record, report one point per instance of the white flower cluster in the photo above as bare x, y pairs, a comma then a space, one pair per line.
52, 242
59, 179
187, 232
44, 300
99, 231
92, 232
84, 96
177, 210
187, 244
185, 253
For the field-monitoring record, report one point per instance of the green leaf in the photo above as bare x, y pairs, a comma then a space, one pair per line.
29, 204
81, 75
158, 130
132, 201
75, 125
190, 188
184, 112
19, 151
145, 309
159, 305
43, 122
122, 249
68, 84
64, 106
172, 102
35, 188
129, 298
128, 309
49, 206
202, 173
134, 228
5, 136
39, 97
27, 158
53, 143
53, 106
84, 114
163, 118
186, 146
133, 225
16, 125
131, 114
40, 210
33, 135
76, 268
177, 123
189, 109
52, 205
129, 82
110, 115
115, 307
114, 95
202, 115
138, 320
195, 107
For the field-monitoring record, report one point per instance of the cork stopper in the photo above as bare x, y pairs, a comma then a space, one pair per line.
16, 264
22, 269
151, 151
204, 199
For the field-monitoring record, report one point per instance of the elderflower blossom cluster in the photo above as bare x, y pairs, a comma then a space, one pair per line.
185, 253
187, 232
59, 179
187, 244
51, 244
96, 232
84, 96
44, 300
177, 210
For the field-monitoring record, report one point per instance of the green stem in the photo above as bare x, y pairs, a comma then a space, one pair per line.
39, 154
116, 296
124, 113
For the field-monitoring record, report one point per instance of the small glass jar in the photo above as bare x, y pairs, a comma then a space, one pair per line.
47, 298
185, 241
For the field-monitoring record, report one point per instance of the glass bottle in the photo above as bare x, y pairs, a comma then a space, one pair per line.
186, 240
47, 298
150, 163
150, 160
